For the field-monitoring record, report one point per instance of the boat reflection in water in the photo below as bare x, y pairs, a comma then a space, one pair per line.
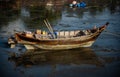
65, 57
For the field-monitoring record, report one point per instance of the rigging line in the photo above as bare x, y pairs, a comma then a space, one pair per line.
107, 32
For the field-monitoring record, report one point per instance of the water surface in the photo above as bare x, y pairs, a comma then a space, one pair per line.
100, 60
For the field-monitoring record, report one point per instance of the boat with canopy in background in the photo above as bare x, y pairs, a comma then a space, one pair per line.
59, 40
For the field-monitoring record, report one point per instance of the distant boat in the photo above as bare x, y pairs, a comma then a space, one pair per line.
79, 5
59, 41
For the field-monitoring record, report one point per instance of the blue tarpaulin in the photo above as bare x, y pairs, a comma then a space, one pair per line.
81, 4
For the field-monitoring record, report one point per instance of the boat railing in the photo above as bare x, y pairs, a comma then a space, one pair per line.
64, 34
60, 34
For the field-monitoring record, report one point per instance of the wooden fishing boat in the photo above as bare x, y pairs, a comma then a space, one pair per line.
59, 41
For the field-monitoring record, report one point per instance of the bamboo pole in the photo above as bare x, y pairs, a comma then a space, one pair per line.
49, 28
49, 25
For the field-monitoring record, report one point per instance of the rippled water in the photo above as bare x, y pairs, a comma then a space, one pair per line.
100, 60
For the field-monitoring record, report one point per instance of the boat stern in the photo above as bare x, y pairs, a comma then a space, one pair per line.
12, 42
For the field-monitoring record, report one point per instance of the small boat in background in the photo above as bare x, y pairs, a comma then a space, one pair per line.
59, 40
78, 4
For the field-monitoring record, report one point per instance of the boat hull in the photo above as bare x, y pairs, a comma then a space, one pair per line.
58, 47
58, 44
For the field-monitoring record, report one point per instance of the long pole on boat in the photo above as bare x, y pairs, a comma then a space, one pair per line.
49, 28
49, 25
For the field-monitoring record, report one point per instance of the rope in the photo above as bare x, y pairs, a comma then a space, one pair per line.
111, 33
